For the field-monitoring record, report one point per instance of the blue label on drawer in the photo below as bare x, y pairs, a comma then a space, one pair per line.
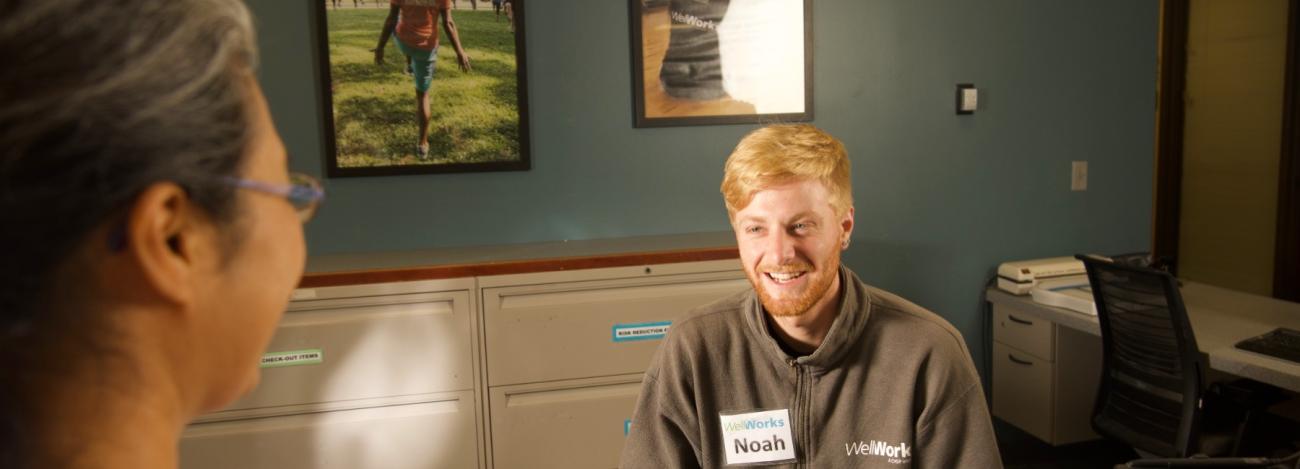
627, 426
643, 331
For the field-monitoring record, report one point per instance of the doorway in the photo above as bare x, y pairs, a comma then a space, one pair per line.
1226, 207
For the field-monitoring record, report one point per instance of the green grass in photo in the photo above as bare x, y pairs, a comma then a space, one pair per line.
473, 116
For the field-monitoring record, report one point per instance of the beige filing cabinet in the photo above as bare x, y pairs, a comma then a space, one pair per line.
565, 352
1044, 375
380, 375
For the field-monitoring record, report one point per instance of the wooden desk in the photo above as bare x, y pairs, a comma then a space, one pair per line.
1047, 360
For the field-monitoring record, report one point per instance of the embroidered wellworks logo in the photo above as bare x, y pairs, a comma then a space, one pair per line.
898, 454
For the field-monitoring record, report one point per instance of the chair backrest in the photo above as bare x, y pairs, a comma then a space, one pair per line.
1152, 372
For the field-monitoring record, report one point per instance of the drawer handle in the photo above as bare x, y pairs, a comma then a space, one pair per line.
1017, 360
1013, 318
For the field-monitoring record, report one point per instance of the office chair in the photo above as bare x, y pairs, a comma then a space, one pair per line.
1152, 380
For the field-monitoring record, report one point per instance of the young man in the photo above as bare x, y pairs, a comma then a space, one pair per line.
414, 25
812, 367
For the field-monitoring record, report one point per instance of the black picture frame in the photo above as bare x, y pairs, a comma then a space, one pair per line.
393, 158
681, 98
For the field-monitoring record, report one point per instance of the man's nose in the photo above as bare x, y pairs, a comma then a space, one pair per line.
780, 247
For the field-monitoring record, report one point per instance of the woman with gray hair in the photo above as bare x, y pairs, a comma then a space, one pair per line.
152, 232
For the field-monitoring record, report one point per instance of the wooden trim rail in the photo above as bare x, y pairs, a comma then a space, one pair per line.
434, 272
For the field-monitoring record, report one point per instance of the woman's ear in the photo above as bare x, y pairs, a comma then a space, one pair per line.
167, 240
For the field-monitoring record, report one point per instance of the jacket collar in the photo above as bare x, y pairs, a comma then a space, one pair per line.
854, 311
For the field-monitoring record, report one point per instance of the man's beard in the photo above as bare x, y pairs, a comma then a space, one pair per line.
818, 285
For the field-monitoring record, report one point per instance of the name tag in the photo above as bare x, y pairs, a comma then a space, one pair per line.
758, 437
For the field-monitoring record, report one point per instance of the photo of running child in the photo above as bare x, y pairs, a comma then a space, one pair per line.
422, 86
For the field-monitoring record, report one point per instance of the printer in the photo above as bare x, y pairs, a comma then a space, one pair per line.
1019, 277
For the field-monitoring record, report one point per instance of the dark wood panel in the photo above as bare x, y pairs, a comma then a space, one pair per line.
1286, 257
1169, 138
434, 272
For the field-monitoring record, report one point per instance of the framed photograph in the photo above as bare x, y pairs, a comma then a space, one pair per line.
700, 62
422, 86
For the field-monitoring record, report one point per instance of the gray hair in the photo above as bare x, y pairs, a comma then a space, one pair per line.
102, 98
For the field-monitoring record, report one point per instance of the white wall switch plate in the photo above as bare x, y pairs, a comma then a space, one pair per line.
967, 98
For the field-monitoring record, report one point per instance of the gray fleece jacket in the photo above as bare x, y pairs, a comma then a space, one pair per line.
892, 386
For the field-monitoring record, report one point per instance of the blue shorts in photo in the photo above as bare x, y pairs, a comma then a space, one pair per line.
422, 62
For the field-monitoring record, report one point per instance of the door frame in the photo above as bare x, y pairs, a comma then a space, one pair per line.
1169, 129
1286, 263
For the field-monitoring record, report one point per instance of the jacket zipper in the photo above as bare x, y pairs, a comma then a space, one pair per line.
800, 408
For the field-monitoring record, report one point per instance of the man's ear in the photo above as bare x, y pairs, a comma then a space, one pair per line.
164, 232
846, 223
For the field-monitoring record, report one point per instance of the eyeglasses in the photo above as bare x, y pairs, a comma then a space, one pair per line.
303, 192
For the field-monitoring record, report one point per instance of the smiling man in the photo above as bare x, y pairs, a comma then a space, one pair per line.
812, 367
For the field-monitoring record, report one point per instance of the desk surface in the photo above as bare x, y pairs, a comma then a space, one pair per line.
1220, 318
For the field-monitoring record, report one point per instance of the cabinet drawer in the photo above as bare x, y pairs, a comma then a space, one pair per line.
369, 347
1023, 331
1022, 390
571, 424
435, 434
561, 331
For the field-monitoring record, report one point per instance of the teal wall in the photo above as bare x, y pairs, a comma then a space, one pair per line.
941, 199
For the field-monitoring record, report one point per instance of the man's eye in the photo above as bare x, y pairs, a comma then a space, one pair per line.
753, 229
